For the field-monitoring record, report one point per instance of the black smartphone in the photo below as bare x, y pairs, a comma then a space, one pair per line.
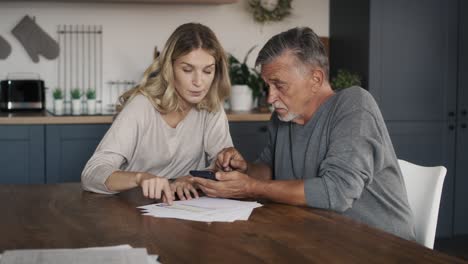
206, 174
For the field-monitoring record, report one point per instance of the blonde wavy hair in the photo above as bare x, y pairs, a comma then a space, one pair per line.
158, 80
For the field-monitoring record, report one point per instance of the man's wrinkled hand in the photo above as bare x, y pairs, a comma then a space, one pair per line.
230, 159
234, 184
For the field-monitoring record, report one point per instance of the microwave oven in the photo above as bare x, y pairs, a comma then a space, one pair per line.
25, 94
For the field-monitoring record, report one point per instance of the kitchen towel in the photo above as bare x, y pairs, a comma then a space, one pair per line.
5, 49
35, 40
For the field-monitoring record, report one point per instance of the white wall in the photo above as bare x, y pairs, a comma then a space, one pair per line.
132, 30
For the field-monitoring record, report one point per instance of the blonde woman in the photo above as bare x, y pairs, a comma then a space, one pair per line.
169, 124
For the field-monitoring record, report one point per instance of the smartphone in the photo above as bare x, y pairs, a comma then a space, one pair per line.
206, 174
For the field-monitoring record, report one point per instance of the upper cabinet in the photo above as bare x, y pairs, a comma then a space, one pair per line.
211, 2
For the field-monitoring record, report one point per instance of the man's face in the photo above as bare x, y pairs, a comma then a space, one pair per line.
289, 87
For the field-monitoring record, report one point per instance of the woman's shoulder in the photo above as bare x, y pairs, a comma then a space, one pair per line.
138, 107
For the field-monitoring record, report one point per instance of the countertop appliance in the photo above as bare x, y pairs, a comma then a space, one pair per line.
22, 94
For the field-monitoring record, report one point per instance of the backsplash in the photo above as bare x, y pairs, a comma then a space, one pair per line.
131, 31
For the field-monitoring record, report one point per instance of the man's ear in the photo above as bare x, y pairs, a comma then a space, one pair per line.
317, 77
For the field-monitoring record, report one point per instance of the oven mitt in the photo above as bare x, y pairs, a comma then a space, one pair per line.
35, 40
5, 49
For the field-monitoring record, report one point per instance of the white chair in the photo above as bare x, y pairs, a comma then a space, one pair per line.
424, 188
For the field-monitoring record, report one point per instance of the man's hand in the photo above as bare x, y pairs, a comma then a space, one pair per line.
184, 188
155, 187
230, 159
234, 184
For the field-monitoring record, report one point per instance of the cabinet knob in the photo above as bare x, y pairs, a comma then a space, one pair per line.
451, 113
451, 127
463, 125
463, 112
263, 129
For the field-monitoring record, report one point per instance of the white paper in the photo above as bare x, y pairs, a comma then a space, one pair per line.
203, 209
112, 254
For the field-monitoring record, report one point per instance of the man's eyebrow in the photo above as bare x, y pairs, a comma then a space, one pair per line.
276, 81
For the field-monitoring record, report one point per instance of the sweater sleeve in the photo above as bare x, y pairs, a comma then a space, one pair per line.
355, 147
116, 147
216, 136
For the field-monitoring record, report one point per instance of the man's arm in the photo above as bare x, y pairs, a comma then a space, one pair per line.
259, 171
236, 184
287, 192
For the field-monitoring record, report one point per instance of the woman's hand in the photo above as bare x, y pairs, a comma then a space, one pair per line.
155, 187
184, 188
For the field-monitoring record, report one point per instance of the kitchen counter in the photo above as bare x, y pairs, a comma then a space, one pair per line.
45, 117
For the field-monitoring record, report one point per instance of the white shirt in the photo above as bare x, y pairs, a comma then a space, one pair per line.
139, 140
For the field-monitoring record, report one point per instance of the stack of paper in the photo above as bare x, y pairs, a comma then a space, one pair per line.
204, 209
123, 254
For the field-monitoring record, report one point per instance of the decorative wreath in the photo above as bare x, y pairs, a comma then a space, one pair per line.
270, 10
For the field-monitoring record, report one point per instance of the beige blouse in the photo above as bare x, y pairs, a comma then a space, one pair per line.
139, 140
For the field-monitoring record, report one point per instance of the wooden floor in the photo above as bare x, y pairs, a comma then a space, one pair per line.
456, 246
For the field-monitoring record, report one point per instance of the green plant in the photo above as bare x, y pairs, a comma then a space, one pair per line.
57, 94
262, 14
76, 93
345, 79
241, 74
91, 94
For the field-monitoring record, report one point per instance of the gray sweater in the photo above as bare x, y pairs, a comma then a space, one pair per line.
346, 159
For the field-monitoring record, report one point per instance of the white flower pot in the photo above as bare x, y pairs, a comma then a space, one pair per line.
91, 106
76, 106
241, 98
58, 106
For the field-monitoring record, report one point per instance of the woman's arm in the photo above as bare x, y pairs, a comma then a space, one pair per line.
152, 186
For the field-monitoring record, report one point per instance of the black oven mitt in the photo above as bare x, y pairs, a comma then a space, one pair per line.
35, 40
5, 49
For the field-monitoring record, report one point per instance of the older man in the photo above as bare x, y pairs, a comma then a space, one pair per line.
326, 150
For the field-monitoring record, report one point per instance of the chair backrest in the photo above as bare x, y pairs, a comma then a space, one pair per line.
424, 188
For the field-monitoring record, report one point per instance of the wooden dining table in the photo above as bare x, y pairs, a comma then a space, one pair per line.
65, 216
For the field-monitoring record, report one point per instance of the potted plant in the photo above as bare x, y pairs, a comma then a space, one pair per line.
76, 101
91, 101
246, 83
57, 94
345, 79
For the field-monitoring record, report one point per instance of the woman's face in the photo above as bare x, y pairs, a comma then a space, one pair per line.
194, 73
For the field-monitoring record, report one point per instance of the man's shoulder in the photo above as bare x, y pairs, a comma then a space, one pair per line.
356, 97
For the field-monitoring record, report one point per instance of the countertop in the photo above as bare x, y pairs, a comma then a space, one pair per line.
45, 117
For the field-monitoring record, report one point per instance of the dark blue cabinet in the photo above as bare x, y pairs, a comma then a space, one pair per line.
461, 186
249, 138
58, 153
413, 59
69, 147
22, 154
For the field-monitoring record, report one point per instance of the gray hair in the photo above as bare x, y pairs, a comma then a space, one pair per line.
302, 42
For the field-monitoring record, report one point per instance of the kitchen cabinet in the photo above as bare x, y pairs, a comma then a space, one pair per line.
58, 153
461, 172
249, 138
410, 55
22, 158
69, 147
